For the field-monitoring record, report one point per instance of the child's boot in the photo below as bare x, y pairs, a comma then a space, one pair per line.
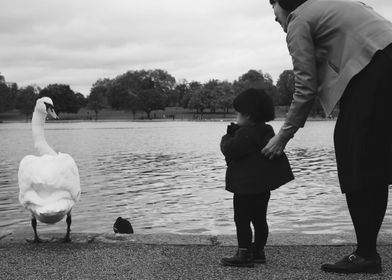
243, 258
258, 254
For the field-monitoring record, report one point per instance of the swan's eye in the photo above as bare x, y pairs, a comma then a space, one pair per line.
49, 106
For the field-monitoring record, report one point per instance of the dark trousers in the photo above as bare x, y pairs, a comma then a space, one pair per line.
251, 209
367, 211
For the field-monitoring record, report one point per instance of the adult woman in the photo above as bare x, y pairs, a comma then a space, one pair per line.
342, 51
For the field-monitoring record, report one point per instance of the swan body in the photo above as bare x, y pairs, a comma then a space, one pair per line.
49, 184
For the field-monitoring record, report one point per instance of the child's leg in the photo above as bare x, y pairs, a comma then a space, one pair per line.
259, 219
242, 217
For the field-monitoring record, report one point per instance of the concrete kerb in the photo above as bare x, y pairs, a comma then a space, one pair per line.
274, 239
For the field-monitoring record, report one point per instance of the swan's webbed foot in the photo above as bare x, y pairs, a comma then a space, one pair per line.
36, 240
67, 239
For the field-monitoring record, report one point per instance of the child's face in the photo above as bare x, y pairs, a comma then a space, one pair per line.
242, 119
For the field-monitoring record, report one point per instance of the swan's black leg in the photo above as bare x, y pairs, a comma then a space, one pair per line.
34, 225
69, 221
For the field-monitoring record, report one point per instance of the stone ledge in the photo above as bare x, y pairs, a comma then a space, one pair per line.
274, 239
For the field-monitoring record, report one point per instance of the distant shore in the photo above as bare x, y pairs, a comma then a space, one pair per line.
151, 120
169, 114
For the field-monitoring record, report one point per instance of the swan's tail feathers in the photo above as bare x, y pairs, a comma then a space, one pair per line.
50, 218
51, 213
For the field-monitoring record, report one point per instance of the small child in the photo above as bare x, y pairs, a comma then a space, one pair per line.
250, 175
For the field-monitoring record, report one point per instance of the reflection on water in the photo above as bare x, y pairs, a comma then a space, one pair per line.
169, 177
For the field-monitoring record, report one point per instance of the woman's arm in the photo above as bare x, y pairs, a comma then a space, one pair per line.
301, 47
302, 51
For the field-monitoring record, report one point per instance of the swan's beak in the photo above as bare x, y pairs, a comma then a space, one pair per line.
53, 113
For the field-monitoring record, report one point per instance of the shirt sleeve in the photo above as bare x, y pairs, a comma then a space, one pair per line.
241, 144
287, 131
301, 48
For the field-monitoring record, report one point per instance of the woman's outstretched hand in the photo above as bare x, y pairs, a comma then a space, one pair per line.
275, 147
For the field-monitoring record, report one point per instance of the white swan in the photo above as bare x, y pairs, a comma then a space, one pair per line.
49, 184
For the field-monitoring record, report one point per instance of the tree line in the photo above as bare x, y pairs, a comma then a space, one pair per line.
148, 91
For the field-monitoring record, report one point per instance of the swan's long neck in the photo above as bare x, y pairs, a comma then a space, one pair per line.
38, 123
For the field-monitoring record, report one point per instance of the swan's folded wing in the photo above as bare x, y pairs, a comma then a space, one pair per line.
49, 176
69, 175
25, 177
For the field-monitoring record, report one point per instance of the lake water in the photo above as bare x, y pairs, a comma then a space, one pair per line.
168, 177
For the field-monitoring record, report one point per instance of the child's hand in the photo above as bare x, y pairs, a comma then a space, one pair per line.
232, 128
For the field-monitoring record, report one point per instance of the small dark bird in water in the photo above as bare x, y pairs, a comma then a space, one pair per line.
122, 226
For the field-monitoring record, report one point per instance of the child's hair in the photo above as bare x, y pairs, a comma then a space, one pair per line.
288, 5
255, 103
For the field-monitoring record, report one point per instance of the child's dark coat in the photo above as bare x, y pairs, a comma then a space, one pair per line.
248, 171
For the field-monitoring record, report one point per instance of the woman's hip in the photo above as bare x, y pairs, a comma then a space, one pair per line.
363, 134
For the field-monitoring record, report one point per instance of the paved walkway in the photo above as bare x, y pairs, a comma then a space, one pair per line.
109, 256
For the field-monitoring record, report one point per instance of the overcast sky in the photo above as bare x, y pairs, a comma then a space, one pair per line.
76, 42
